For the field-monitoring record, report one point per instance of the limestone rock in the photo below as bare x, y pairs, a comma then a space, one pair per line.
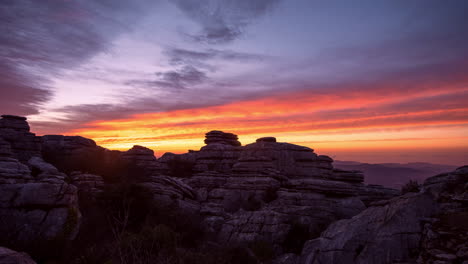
36, 204
23, 144
266, 139
172, 192
8, 256
374, 193
143, 159
392, 231
87, 184
291, 160
217, 157
219, 137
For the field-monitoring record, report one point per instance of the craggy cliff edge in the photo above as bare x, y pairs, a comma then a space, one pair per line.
268, 194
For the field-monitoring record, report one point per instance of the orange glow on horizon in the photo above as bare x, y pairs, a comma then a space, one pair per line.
323, 122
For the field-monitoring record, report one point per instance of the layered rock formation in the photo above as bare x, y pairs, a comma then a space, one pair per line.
37, 205
404, 229
267, 190
23, 144
220, 153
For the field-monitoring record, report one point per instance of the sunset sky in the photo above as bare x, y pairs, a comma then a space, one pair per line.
365, 80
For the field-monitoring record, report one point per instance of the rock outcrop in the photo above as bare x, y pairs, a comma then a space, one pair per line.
8, 256
404, 229
220, 137
88, 185
37, 205
23, 144
220, 153
268, 190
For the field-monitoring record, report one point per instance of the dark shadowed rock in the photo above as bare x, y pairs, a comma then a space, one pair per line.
8, 256
266, 139
37, 205
23, 144
291, 160
217, 157
392, 231
220, 137
89, 185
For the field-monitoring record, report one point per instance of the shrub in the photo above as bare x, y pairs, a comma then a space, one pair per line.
411, 186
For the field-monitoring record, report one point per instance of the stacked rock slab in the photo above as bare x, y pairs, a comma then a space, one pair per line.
272, 188
405, 229
36, 205
164, 190
142, 158
220, 153
23, 144
291, 160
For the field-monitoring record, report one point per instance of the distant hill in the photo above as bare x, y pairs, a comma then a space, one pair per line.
394, 174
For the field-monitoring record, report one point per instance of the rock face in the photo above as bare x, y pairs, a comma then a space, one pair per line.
219, 137
8, 256
403, 229
89, 185
265, 191
23, 144
269, 190
291, 160
37, 204
220, 153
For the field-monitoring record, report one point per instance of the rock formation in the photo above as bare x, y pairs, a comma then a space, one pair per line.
267, 190
8, 256
281, 193
37, 204
404, 229
23, 144
220, 153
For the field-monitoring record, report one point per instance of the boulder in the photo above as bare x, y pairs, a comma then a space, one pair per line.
8, 256
36, 205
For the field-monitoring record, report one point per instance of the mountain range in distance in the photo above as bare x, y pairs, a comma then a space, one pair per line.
394, 174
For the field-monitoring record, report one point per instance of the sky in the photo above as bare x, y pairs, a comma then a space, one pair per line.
365, 80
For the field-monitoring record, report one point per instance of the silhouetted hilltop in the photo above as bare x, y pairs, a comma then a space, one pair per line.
66, 199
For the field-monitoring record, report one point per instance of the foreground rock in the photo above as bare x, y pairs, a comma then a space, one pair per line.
37, 205
8, 256
270, 191
403, 229
276, 192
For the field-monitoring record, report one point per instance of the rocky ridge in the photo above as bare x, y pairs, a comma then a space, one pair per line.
269, 191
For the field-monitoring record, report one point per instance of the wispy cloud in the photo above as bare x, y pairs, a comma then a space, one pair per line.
42, 38
223, 21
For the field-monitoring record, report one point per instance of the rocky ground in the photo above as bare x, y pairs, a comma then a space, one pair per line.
264, 202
